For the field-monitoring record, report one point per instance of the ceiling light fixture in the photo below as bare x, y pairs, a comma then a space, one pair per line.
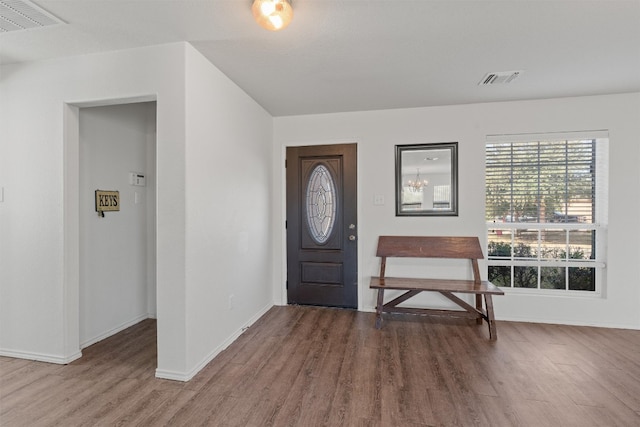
273, 15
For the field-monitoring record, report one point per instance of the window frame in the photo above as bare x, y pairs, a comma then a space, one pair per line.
598, 224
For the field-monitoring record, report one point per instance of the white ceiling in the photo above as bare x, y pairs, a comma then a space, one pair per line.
353, 55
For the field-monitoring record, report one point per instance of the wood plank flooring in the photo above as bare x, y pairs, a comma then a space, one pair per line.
309, 366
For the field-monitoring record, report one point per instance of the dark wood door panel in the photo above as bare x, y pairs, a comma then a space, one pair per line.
321, 217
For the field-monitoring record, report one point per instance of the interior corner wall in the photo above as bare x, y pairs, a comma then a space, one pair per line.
35, 318
213, 219
228, 199
377, 132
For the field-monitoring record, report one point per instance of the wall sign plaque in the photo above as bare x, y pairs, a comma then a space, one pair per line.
107, 201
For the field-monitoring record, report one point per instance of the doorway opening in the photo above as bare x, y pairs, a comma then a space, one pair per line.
117, 151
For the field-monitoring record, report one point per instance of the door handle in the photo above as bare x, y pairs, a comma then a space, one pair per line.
352, 237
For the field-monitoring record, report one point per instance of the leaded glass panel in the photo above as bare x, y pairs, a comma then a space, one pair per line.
321, 204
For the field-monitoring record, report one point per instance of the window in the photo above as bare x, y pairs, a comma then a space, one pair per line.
441, 196
546, 211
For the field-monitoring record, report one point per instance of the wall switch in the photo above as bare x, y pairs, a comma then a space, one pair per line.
137, 179
231, 302
378, 200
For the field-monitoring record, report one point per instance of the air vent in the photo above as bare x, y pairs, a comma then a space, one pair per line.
18, 15
501, 77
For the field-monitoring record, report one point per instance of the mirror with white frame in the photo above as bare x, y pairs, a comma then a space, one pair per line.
427, 179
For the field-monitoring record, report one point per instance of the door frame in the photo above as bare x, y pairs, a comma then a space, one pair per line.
280, 279
71, 219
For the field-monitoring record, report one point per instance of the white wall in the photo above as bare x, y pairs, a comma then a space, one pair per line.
114, 250
377, 132
39, 307
198, 214
228, 210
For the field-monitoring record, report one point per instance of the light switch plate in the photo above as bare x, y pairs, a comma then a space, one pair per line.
378, 200
137, 179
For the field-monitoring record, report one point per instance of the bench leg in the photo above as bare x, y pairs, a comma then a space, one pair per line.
479, 308
493, 334
379, 308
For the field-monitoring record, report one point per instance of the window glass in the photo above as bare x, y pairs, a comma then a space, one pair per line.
321, 204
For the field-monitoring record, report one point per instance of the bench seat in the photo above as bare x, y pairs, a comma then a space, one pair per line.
437, 285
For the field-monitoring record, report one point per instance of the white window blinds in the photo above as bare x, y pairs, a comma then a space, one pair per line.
544, 178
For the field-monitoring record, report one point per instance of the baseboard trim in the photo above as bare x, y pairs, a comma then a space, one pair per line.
41, 357
171, 375
114, 331
549, 321
567, 322
187, 376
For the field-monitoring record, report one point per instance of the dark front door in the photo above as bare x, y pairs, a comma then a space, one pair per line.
322, 245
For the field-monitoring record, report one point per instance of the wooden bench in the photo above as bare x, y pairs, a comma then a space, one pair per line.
435, 247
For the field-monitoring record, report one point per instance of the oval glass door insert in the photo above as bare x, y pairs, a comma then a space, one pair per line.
321, 204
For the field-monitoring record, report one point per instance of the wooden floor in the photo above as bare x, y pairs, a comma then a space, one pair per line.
305, 366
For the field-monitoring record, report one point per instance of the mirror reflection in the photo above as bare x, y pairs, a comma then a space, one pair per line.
426, 179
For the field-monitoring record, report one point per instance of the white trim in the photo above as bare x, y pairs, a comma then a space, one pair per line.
71, 228
132, 99
549, 136
114, 331
41, 357
545, 321
187, 376
566, 322
521, 225
539, 262
555, 293
171, 375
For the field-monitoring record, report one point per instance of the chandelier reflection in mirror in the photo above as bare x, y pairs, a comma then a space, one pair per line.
417, 184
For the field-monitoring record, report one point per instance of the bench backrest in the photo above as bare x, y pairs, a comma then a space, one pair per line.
430, 247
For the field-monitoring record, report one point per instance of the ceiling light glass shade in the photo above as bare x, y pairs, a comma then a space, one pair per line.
273, 15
